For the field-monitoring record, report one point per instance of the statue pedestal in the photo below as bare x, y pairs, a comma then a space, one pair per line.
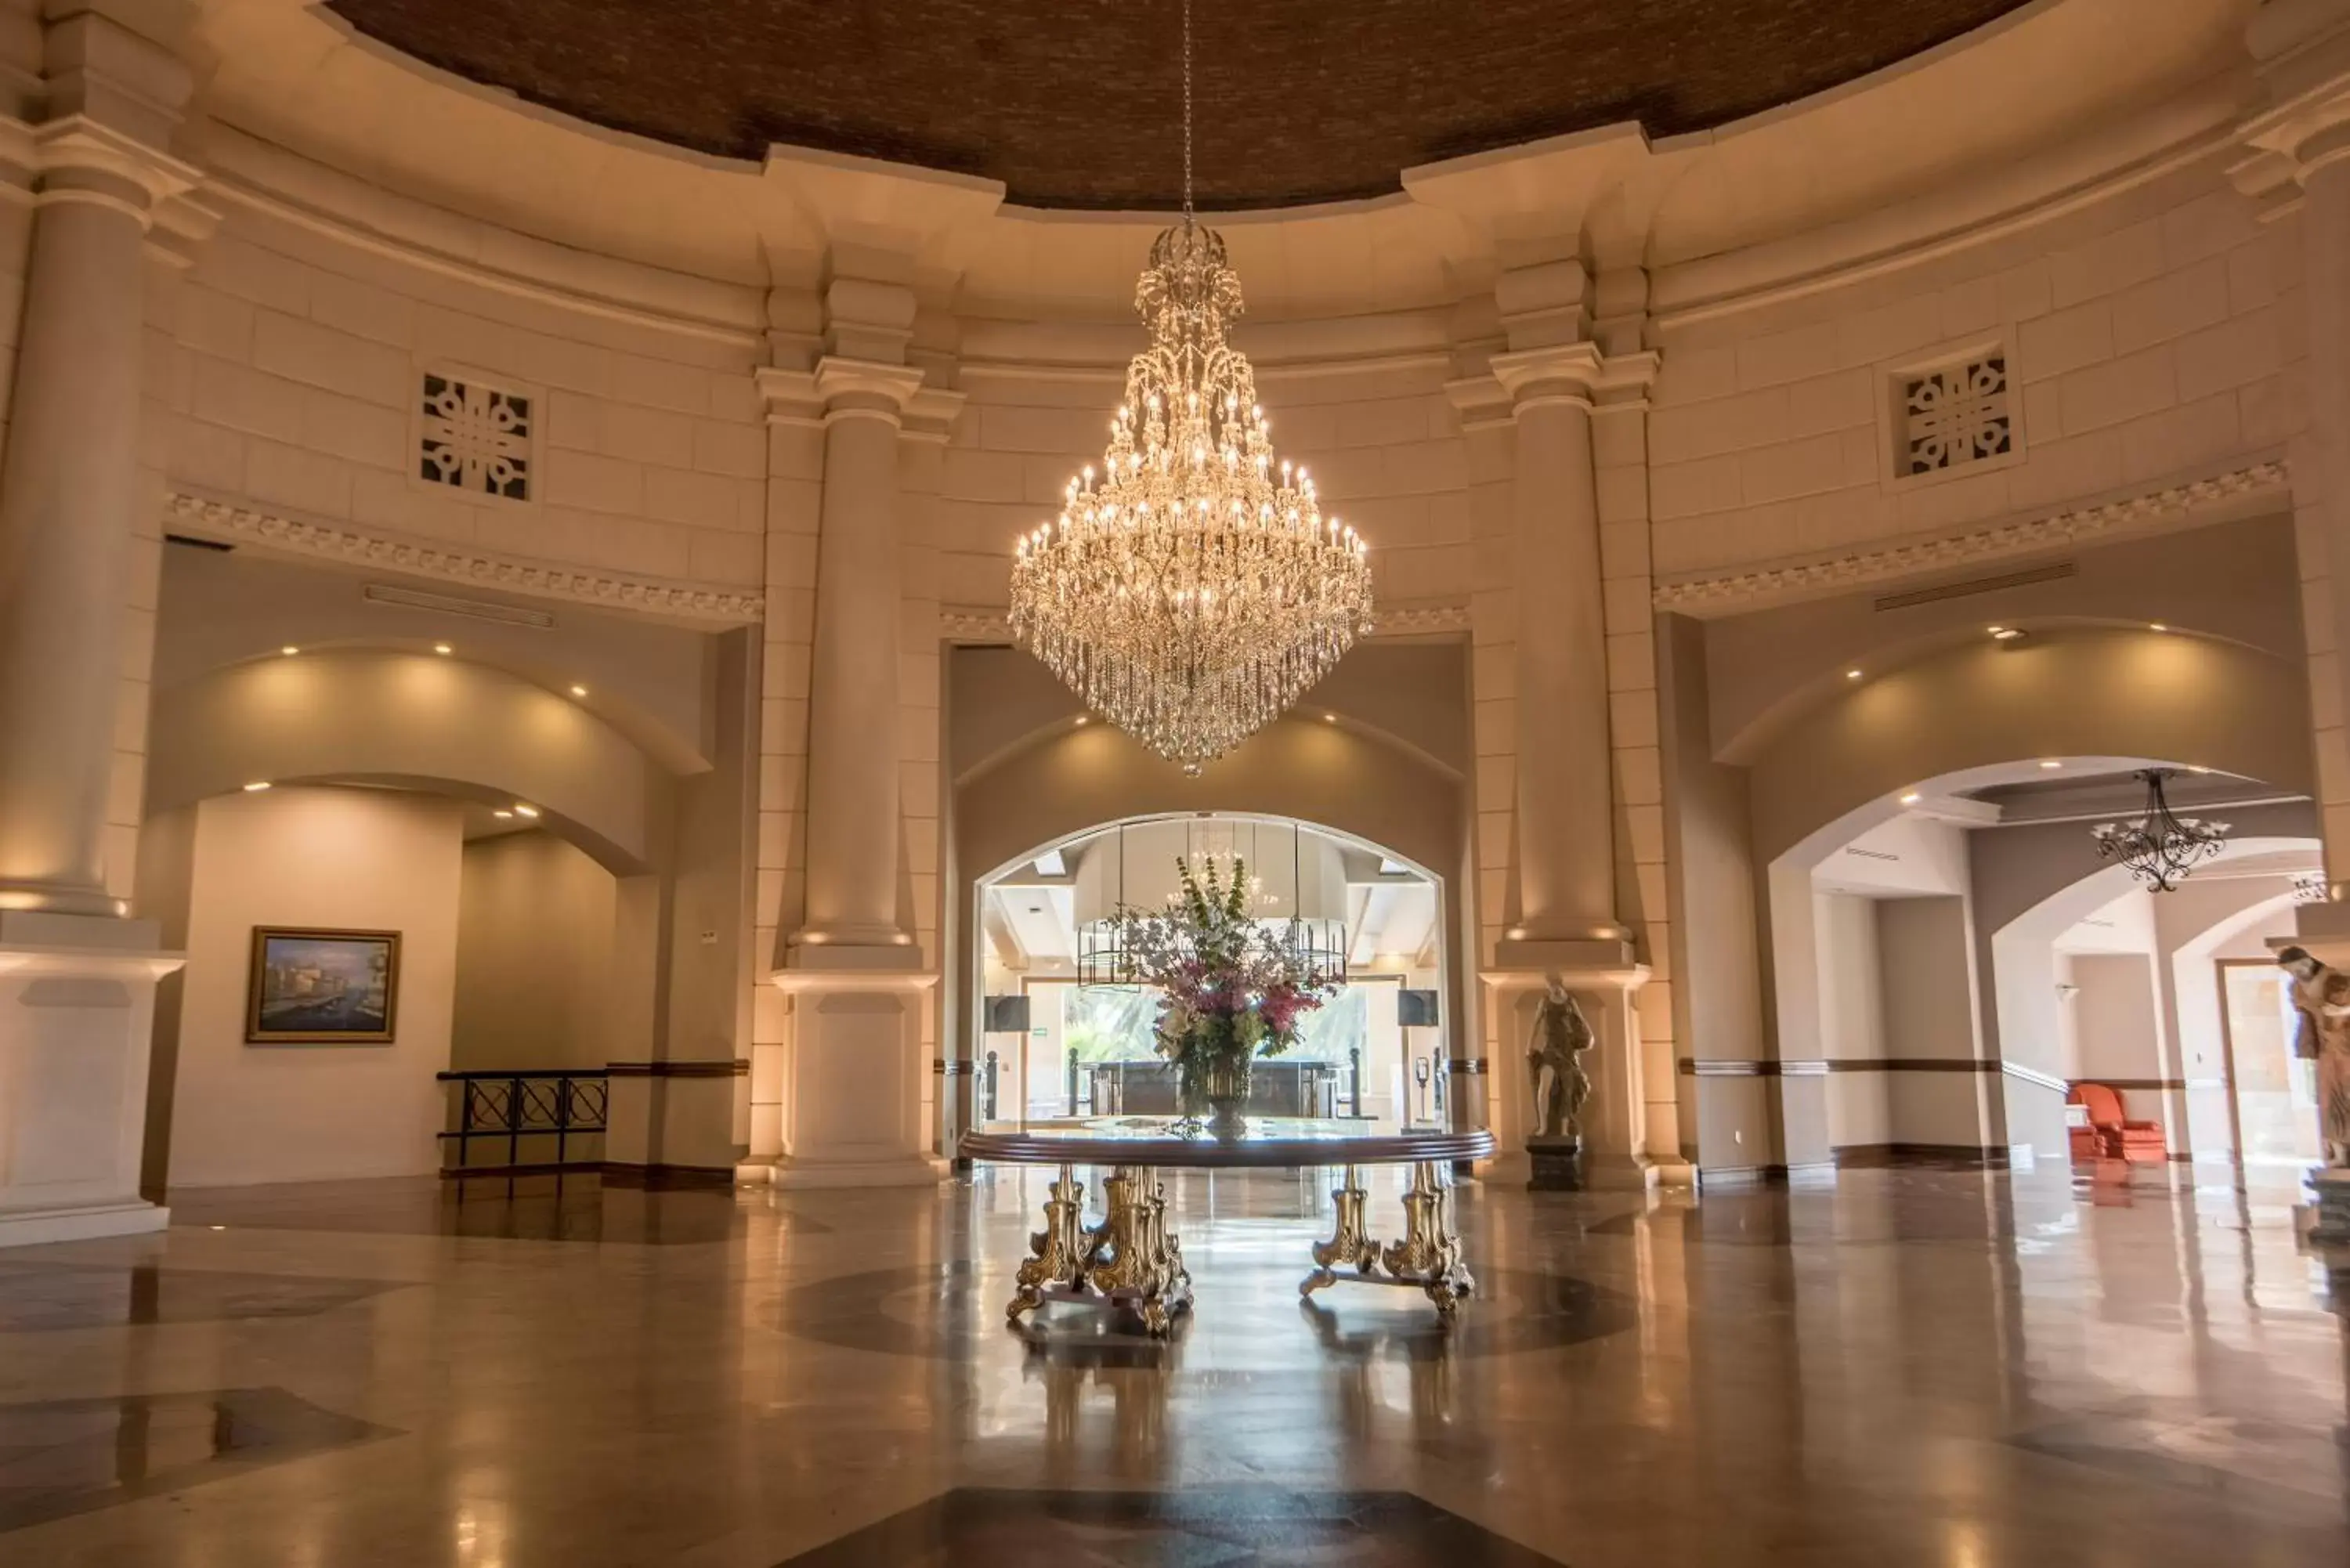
1556, 1162
2330, 1196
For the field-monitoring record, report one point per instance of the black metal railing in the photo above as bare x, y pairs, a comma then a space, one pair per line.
536, 1106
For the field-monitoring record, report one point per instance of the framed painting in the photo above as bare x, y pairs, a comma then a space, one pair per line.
314, 987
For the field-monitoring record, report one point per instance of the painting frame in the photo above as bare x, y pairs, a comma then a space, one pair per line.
284, 945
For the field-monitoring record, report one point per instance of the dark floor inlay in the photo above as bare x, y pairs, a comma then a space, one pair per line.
1247, 1527
35, 1296
63, 1457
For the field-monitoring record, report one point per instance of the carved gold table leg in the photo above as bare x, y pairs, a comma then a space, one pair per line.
1060, 1252
1136, 1262
1350, 1245
1429, 1254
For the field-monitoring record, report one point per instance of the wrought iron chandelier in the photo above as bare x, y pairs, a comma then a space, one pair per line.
1193, 590
2160, 848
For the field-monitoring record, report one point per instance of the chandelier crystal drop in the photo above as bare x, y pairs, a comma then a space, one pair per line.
2160, 848
1191, 590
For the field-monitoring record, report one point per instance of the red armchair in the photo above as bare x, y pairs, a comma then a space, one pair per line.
2108, 1136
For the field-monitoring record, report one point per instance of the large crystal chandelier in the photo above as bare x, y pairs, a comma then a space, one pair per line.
1191, 590
2160, 847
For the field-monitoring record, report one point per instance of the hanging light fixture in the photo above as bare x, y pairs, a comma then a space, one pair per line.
1193, 590
2160, 848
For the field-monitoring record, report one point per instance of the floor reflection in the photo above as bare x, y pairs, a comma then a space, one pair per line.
573, 1207
37, 1296
1962, 1370
64, 1457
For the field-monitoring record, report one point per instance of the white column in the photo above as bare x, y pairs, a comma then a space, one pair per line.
852, 785
68, 493
1566, 846
77, 980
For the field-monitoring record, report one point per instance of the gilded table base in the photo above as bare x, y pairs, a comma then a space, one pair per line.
1428, 1255
1130, 1260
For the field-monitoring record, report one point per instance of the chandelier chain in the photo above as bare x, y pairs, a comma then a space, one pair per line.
1187, 113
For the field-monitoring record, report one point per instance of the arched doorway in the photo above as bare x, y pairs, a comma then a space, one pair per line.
1054, 1035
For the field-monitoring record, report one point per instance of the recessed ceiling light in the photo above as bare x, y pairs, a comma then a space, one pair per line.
1084, 719
579, 691
521, 810
256, 786
2004, 633
1852, 675
1329, 718
2051, 762
501, 814
1912, 799
442, 648
289, 651
2193, 768
2156, 626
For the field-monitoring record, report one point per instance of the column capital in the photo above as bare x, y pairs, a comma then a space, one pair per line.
2301, 50
843, 388
79, 159
1579, 375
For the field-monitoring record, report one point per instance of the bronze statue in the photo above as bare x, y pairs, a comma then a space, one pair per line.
1561, 1086
2321, 995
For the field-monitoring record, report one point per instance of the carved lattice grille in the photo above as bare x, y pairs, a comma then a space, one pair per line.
1956, 415
474, 438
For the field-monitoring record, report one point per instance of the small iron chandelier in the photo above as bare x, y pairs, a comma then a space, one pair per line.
2160, 848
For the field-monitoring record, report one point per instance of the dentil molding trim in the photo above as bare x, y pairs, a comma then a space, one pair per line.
2132, 514
205, 517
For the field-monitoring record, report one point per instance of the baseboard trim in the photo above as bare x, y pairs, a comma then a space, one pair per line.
1921, 1156
665, 1177
1744, 1176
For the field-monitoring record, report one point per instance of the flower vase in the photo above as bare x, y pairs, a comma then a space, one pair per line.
1226, 1088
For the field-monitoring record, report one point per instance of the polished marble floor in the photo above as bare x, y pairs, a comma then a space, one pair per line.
1903, 1367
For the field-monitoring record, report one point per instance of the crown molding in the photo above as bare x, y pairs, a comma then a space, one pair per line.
2236, 491
206, 517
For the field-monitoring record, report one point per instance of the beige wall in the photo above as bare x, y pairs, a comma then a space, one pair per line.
365, 859
449, 724
535, 934
2069, 692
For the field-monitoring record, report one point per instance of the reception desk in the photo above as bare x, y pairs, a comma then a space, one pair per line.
1276, 1088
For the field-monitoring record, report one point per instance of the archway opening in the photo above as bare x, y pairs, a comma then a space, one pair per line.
1057, 1036
1956, 957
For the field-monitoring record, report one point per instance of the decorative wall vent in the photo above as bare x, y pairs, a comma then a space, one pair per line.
1955, 414
474, 438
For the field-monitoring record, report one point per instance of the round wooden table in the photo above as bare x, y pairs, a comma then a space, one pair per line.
1133, 1261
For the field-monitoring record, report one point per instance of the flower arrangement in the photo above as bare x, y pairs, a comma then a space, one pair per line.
1231, 986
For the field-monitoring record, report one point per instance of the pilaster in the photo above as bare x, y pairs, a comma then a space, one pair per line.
845, 1015
2298, 161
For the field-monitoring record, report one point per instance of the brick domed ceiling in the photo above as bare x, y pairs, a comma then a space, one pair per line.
1074, 103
